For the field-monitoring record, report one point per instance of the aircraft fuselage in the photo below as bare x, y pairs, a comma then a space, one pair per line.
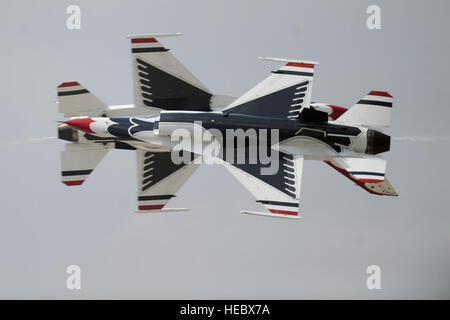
155, 131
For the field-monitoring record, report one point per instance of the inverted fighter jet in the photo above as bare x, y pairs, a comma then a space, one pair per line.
168, 97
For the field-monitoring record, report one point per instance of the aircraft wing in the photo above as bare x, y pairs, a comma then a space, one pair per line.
160, 81
368, 173
283, 94
158, 179
278, 193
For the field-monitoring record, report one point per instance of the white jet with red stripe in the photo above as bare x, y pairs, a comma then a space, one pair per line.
163, 86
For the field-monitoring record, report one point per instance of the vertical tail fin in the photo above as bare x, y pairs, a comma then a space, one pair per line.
374, 110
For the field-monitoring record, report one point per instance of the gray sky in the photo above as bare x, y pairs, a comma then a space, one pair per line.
213, 251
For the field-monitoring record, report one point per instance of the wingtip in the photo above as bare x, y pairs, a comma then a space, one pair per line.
289, 60
154, 35
380, 93
73, 183
269, 214
162, 210
69, 84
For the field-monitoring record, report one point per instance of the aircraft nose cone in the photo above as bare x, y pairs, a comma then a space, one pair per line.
81, 124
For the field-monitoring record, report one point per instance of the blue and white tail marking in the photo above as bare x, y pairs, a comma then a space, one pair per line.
283, 94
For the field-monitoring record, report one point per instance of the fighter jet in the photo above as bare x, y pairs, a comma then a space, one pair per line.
169, 98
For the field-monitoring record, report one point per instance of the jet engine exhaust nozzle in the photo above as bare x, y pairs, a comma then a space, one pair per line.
377, 142
66, 132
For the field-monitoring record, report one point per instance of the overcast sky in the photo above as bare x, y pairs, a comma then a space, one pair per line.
213, 251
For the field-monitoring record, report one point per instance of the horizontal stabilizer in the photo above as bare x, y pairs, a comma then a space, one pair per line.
75, 100
374, 111
79, 160
368, 173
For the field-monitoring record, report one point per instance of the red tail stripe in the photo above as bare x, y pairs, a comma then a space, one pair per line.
301, 65
68, 84
292, 213
379, 93
73, 183
151, 207
143, 40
